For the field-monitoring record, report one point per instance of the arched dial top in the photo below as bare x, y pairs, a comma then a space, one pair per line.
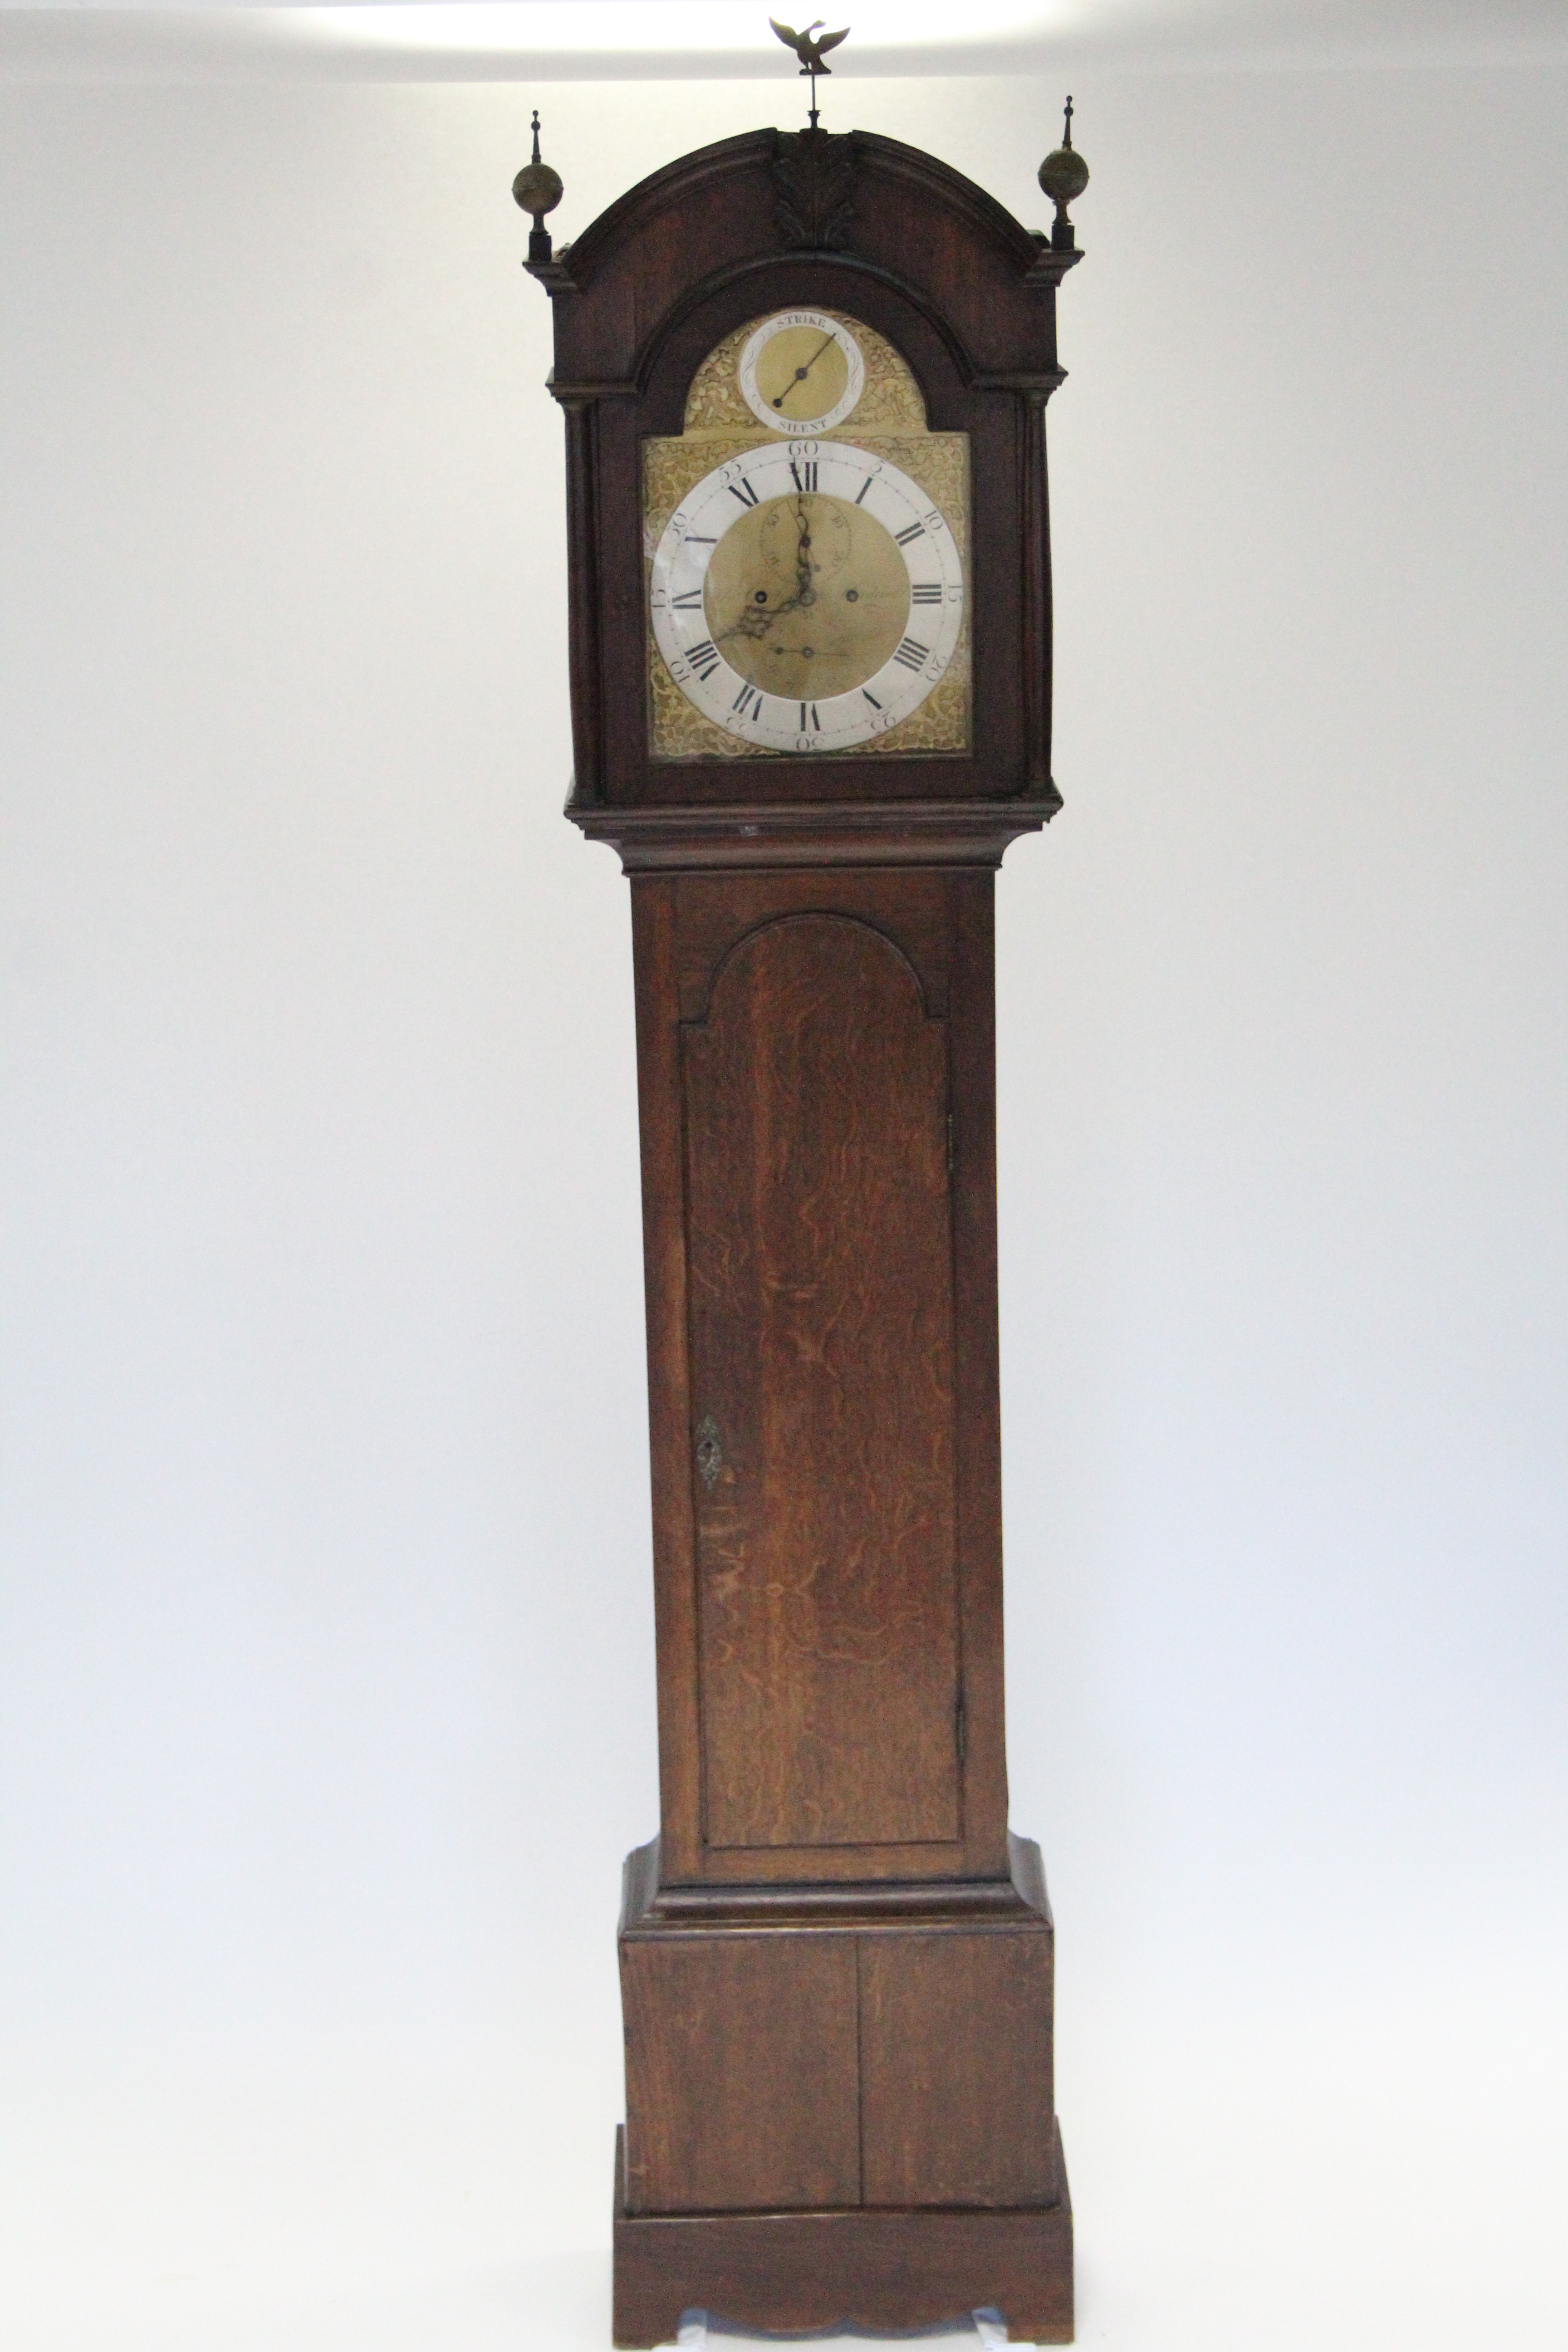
806, 596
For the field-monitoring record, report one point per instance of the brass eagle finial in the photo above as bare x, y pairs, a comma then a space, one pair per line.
810, 52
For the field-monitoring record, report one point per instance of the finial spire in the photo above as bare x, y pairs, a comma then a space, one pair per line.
538, 190
1064, 175
1066, 126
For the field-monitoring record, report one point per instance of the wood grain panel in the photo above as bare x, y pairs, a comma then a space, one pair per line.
955, 2068
740, 2073
820, 1255
973, 1060
653, 934
915, 911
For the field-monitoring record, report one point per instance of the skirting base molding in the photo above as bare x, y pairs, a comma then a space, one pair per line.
853, 2267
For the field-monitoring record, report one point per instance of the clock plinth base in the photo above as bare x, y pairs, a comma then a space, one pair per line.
839, 2106
912, 2267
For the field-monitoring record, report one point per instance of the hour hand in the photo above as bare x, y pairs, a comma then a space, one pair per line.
756, 620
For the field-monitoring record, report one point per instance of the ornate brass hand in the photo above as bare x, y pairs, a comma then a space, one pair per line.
754, 621
803, 591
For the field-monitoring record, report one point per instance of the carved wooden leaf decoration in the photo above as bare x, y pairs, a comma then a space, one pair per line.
813, 178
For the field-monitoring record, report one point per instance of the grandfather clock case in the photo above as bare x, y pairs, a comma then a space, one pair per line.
810, 754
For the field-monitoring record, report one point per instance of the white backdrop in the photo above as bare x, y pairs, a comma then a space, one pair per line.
327, 1650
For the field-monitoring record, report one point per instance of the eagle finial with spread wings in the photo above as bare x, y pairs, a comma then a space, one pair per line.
808, 51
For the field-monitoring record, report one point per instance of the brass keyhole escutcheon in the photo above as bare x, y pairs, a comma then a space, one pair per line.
709, 1451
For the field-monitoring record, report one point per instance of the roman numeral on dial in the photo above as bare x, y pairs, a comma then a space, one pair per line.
704, 657
912, 654
744, 492
914, 530
690, 603
808, 723
748, 702
803, 473
923, 592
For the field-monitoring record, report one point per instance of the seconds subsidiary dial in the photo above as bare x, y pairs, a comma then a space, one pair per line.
806, 596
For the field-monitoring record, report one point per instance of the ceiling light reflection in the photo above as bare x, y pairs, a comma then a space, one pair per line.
689, 28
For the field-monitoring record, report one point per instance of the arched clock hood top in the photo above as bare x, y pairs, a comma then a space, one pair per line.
887, 235
848, 200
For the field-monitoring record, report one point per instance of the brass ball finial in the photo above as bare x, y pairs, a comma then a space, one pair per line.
1064, 175
538, 190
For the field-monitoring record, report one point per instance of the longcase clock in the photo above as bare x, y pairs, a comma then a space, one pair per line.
805, 380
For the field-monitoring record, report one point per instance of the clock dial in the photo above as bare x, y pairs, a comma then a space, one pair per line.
808, 596
801, 372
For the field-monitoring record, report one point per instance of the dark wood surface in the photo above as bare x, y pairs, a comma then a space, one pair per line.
759, 836
875, 2269
649, 1897
742, 2071
955, 2068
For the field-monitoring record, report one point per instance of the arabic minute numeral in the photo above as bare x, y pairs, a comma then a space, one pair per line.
912, 530
912, 654
923, 592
